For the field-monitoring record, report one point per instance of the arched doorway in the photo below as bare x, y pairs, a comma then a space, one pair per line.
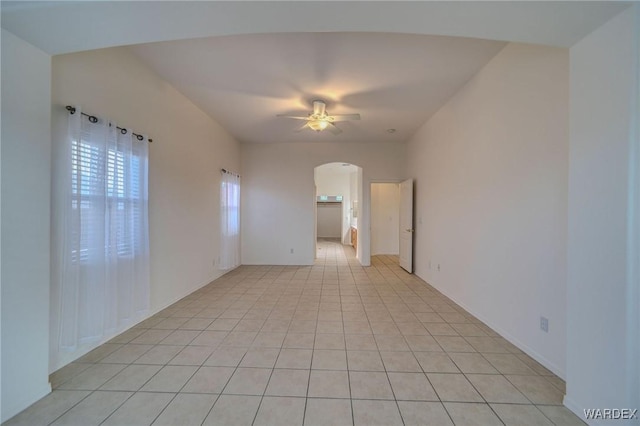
338, 199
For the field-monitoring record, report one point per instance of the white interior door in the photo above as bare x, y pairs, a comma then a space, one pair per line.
406, 225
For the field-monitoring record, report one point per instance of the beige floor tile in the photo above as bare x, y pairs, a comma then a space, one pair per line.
561, 416
181, 337
361, 342
472, 414
288, 383
192, 355
151, 337
400, 361
495, 388
468, 330
486, 344
186, 409
325, 359
196, 324
295, 358
357, 327
101, 351
418, 413
433, 362
277, 411
329, 341
521, 415
248, 381
139, 410
303, 326
233, 410
67, 372
384, 328
412, 387
94, 409
223, 324
159, 354
170, 323
48, 408
370, 413
132, 378
471, 362
391, 342
93, 377
329, 384
209, 338
169, 379
242, 339
310, 324
370, 385
453, 387
537, 389
209, 380
269, 340
260, 357
422, 343
454, 344
508, 364
299, 341
328, 412
225, 357
330, 327
364, 361
429, 317
126, 354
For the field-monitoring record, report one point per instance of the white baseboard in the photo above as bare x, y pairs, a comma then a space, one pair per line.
575, 408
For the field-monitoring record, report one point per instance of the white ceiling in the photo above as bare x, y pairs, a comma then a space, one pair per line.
392, 80
270, 57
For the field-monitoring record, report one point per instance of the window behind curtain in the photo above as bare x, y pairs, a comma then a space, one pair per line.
101, 237
230, 221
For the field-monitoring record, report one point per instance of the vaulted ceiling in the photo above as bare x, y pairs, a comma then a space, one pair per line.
394, 63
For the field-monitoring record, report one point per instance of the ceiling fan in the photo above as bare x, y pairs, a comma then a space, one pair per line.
320, 120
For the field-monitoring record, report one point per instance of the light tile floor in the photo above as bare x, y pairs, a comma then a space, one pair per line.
334, 343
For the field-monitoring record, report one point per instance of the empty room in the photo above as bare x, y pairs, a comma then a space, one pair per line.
288, 213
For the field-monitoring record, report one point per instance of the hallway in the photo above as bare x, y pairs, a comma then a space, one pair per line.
334, 343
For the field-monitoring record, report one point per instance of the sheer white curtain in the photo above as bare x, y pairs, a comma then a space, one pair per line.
101, 280
230, 221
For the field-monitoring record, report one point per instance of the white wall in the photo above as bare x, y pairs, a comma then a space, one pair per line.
385, 218
491, 198
278, 197
602, 333
329, 220
26, 167
185, 158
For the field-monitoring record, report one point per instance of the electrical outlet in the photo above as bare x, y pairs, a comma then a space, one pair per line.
291, 251
544, 324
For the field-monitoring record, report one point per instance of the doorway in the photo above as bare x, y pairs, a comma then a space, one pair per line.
337, 191
392, 224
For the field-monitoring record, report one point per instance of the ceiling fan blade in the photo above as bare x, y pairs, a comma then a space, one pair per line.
345, 117
333, 129
301, 128
295, 117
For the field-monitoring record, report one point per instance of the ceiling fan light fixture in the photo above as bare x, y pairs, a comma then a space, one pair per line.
318, 125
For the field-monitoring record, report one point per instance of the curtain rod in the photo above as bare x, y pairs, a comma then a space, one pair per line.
94, 119
229, 173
